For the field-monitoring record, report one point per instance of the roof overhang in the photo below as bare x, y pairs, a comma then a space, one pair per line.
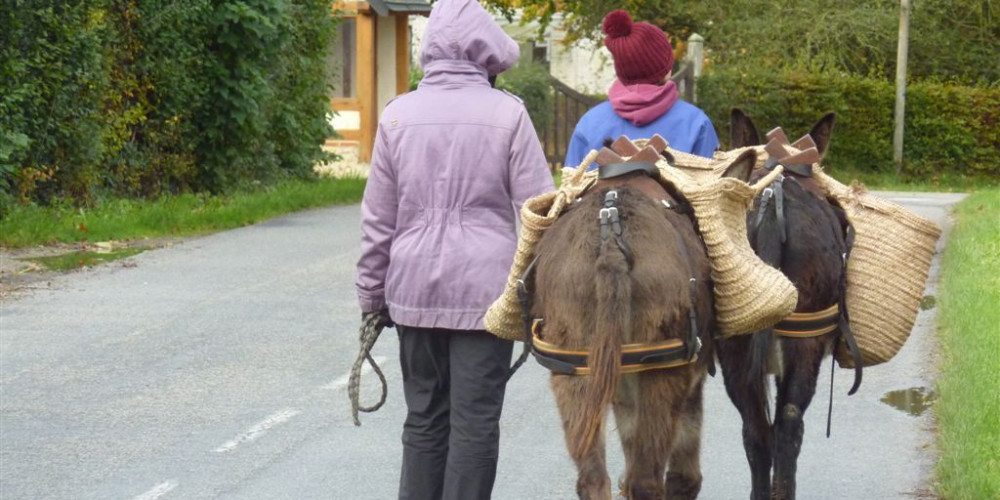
384, 7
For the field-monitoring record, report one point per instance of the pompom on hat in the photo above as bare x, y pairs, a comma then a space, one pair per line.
641, 51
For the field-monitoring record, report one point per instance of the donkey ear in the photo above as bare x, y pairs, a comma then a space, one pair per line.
743, 166
742, 131
822, 131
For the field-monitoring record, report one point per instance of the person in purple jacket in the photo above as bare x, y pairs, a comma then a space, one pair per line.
453, 161
642, 101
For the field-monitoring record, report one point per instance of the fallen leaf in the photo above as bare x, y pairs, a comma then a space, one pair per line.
30, 268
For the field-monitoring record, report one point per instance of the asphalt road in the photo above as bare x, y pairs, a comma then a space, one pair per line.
217, 368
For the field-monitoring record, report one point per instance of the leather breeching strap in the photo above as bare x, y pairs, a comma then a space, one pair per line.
635, 358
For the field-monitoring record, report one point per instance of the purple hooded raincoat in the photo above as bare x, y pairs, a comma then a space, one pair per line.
453, 161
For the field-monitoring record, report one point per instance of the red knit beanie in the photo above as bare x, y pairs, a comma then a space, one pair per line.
641, 51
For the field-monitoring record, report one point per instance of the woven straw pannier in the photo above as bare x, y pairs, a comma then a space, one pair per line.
749, 294
503, 318
886, 271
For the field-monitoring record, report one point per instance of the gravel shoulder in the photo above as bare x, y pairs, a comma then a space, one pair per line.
20, 275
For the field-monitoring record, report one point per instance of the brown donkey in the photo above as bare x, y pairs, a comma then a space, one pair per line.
792, 227
644, 282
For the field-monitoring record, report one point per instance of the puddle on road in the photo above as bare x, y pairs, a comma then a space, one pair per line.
80, 259
914, 400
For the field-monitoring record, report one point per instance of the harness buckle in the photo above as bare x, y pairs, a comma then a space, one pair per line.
604, 215
610, 198
609, 215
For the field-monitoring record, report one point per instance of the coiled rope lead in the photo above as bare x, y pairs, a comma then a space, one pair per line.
372, 325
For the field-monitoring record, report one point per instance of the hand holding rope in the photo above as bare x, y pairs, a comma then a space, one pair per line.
372, 324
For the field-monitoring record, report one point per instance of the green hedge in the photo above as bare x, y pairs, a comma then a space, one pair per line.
145, 97
530, 82
948, 129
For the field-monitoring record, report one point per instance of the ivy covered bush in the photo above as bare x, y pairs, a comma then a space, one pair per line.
948, 127
530, 82
144, 97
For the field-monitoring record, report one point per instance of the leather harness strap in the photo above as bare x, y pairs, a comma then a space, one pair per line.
797, 327
835, 317
617, 169
635, 357
845, 321
610, 221
801, 170
806, 325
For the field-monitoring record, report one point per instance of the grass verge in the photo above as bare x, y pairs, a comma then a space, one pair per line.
968, 410
888, 181
183, 215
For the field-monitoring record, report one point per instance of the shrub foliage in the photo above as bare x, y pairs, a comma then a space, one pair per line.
948, 128
146, 97
530, 82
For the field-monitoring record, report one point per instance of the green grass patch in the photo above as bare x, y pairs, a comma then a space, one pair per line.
889, 181
968, 410
183, 215
76, 260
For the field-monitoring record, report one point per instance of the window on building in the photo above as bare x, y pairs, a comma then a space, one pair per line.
540, 53
343, 60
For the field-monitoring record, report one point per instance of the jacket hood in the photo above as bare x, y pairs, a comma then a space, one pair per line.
462, 30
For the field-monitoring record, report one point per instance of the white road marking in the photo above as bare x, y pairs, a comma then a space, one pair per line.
157, 491
341, 381
258, 429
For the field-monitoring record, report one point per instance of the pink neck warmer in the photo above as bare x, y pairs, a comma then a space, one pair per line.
642, 103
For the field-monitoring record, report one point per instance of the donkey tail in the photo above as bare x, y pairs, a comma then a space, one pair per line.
613, 324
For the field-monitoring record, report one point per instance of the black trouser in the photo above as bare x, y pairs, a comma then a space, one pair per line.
454, 383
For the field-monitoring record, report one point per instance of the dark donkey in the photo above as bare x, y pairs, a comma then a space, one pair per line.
623, 286
792, 227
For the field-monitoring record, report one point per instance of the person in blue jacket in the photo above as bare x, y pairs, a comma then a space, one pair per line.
642, 101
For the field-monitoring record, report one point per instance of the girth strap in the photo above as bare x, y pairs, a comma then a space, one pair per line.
805, 325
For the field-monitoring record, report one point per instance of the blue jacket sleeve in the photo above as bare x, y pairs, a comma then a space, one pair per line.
707, 141
576, 150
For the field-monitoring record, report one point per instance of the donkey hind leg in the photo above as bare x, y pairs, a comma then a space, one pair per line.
748, 392
796, 387
592, 481
645, 427
684, 476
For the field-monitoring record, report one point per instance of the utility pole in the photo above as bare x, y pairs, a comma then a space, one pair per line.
901, 53
695, 57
